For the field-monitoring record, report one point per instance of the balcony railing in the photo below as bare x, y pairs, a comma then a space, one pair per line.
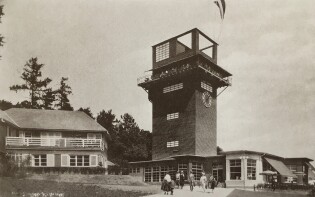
184, 68
55, 142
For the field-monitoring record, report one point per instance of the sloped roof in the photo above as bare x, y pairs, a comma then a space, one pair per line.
6, 119
40, 119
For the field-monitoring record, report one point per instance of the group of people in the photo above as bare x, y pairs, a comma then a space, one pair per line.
168, 185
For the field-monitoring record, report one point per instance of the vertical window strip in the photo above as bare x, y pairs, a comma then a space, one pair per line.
162, 52
147, 174
206, 86
173, 88
251, 169
172, 116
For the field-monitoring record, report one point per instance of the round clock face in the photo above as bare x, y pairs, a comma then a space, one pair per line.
206, 99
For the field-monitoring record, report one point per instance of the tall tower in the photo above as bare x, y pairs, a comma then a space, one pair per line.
183, 87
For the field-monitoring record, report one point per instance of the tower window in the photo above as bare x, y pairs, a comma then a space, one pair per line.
173, 88
206, 86
172, 116
162, 52
172, 144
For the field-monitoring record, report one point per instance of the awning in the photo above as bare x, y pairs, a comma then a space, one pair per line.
280, 167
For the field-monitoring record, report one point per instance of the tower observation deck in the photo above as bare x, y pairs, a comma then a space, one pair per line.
187, 53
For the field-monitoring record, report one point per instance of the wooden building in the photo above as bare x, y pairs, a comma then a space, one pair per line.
53, 138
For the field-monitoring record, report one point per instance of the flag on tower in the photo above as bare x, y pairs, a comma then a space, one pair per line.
221, 5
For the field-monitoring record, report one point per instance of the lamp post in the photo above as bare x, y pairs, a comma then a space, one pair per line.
244, 175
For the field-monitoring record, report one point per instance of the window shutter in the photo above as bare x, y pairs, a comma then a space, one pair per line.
64, 160
93, 160
50, 160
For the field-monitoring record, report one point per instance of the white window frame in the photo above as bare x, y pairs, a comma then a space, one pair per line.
172, 88
40, 160
83, 161
172, 144
172, 116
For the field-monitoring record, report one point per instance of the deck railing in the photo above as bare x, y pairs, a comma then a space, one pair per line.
55, 142
183, 68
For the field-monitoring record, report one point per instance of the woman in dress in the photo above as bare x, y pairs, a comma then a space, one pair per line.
203, 181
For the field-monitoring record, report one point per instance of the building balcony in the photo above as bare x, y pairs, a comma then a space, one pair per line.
149, 78
55, 142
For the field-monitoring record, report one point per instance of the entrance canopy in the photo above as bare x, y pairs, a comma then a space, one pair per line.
280, 167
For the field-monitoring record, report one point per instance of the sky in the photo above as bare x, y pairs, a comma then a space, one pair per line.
104, 46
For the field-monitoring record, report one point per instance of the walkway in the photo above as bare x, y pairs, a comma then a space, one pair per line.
185, 192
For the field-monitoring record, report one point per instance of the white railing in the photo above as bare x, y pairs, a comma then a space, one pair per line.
55, 142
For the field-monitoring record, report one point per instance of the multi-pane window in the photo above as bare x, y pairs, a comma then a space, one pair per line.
235, 169
251, 169
147, 174
172, 116
217, 171
156, 173
173, 88
40, 160
183, 167
163, 172
172, 144
79, 160
162, 52
172, 171
196, 169
206, 86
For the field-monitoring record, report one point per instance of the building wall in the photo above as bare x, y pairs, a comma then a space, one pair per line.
181, 129
54, 157
244, 181
206, 126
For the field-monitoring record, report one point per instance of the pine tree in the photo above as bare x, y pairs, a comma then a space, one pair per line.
32, 82
62, 94
49, 98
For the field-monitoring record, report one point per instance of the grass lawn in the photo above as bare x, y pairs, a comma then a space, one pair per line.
40, 188
289, 193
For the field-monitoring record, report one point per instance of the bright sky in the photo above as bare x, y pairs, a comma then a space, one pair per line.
103, 46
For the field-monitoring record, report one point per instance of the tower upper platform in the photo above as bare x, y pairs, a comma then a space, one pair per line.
192, 51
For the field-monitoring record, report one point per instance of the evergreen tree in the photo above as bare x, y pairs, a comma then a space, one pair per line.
49, 98
107, 120
4, 105
87, 111
62, 94
32, 82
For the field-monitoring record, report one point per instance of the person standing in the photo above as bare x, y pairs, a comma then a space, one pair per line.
213, 183
167, 183
203, 181
181, 179
191, 181
177, 176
